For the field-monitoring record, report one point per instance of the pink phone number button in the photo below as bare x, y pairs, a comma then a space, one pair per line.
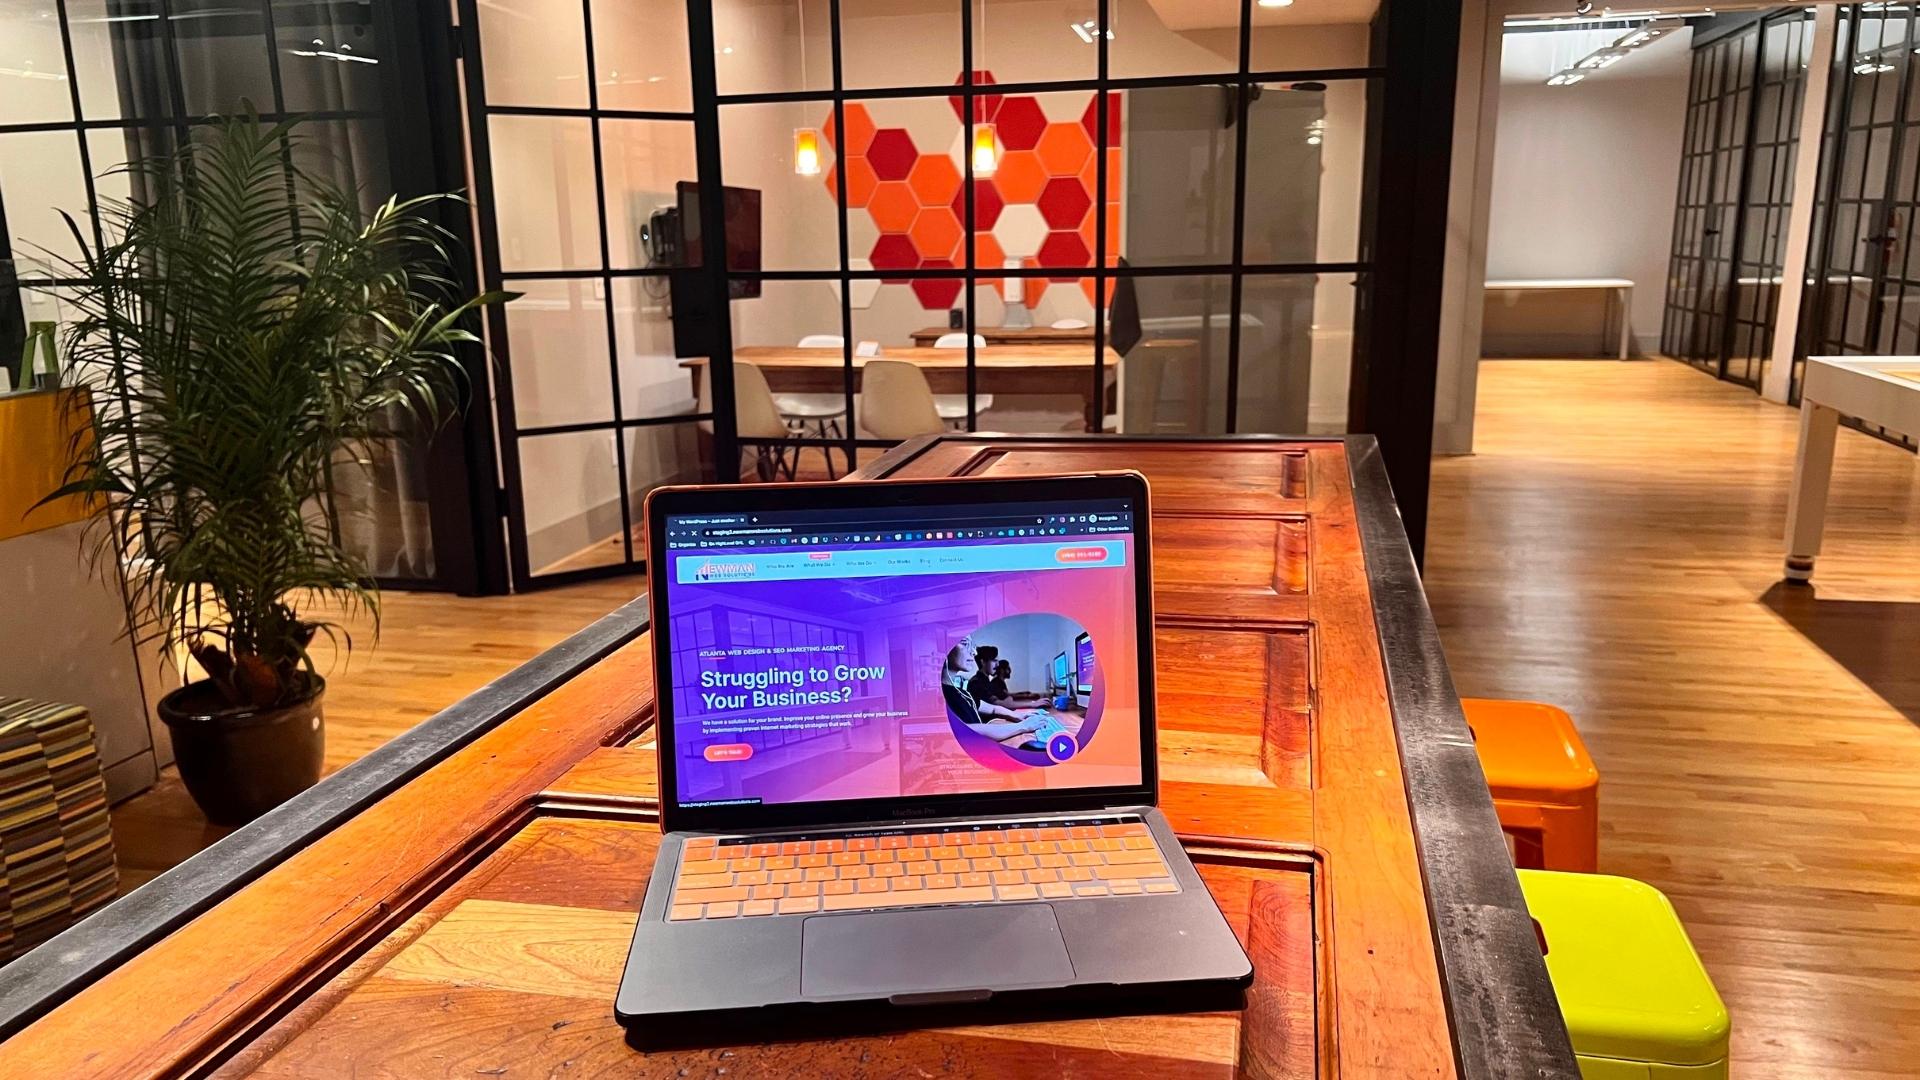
1080, 554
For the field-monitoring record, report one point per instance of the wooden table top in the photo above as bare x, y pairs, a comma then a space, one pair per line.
473, 920
1031, 335
993, 356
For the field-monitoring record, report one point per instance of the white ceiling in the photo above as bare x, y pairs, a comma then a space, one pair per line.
1225, 14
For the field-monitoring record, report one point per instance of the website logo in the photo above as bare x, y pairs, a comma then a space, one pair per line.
717, 570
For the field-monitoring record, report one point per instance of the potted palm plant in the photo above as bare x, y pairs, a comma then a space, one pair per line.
246, 332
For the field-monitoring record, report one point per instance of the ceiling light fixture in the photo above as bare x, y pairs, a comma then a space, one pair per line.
28, 73
1088, 30
344, 54
1647, 32
1608, 55
1274, 3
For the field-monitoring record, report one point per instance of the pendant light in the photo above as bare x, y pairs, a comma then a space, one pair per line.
986, 146
806, 140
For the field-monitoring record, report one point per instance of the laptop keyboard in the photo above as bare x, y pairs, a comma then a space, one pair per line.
742, 877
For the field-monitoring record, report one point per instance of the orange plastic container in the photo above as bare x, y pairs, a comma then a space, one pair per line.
1544, 785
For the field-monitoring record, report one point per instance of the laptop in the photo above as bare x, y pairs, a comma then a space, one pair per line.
906, 751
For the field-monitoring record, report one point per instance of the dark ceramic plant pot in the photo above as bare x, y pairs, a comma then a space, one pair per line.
241, 763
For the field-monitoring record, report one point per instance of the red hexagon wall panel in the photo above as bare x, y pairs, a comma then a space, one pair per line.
1038, 205
892, 154
1064, 202
987, 204
1019, 123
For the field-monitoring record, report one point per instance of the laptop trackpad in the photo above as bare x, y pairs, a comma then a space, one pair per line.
939, 951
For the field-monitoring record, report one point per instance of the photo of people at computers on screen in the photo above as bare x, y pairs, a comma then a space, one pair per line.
1022, 685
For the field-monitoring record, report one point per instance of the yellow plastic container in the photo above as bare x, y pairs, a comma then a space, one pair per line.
1636, 998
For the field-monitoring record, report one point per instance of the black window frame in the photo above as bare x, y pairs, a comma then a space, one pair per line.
1396, 272
416, 90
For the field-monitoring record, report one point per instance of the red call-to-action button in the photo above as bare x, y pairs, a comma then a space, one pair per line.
1080, 554
733, 751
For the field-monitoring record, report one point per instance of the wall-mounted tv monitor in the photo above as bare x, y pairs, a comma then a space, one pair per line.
1083, 664
743, 234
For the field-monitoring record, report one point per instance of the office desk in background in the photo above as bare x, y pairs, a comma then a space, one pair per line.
1616, 289
1880, 390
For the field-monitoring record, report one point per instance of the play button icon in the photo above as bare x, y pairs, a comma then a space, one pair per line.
1062, 746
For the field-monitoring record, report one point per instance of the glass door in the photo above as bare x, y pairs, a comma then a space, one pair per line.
1869, 280
1703, 231
582, 130
1736, 189
1772, 139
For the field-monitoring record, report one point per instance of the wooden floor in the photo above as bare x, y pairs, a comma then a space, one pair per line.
434, 649
1613, 547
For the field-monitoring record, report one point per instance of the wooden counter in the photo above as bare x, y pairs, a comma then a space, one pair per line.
460, 903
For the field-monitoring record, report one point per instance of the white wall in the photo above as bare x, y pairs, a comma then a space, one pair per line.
1583, 186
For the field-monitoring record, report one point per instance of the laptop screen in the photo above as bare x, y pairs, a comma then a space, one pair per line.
902, 652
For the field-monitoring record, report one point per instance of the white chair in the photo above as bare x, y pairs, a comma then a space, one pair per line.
821, 411
896, 402
953, 407
754, 417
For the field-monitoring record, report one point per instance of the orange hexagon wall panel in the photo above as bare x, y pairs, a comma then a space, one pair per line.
893, 206
935, 233
1020, 176
1038, 204
859, 130
935, 179
1063, 148
860, 181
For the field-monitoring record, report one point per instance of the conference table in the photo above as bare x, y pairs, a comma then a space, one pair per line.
1052, 369
1880, 390
460, 902
1013, 335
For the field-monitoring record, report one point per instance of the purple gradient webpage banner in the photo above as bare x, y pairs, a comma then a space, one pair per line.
823, 687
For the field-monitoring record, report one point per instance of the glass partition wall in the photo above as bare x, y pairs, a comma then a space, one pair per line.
1870, 194
860, 221
759, 239
1047, 217
581, 124
88, 85
1745, 93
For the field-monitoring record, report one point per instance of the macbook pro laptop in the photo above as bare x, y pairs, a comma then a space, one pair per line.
906, 752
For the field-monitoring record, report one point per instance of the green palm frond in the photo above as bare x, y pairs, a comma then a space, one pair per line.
242, 347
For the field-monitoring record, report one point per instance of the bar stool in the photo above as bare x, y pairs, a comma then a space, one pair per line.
1637, 1001
1545, 788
